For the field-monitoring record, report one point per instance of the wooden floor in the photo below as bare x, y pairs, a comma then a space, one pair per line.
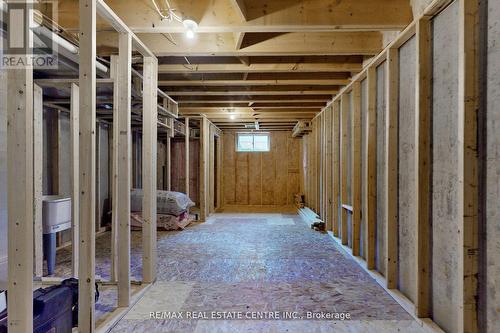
254, 264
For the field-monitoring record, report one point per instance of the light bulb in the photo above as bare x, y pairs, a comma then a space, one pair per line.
191, 27
232, 116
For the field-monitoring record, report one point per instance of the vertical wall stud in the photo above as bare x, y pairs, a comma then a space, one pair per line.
371, 168
123, 172
186, 149
87, 145
38, 177
149, 165
336, 167
343, 165
356, 167
468, 94
20, 195
75, 185
391, 155
114, 173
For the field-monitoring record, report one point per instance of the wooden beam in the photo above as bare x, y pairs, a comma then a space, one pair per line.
324, 43
149, 165
87, 145
204, 168
370, 215
208, 83
336, 167
186, 159
260, 90
20, 195
468, 227
114, 68
391, 162
356, 168
282, 16
240, 8
238, 39
344, 109
423, 101
123, 172
75, 184
38, 178
327, 67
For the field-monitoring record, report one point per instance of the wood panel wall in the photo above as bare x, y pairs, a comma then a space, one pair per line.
178, 179
415, 229
262, 178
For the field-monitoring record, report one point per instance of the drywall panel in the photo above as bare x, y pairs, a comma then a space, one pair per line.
446, 280
381, 166
364, 180
493, 171
3, 169
267, 178
406, 171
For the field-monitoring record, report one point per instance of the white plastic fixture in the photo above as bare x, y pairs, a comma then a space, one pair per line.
191, 27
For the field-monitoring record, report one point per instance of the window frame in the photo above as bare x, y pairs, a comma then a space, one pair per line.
253, 134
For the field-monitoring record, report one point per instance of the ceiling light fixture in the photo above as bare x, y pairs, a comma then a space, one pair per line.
191, 27
232, 116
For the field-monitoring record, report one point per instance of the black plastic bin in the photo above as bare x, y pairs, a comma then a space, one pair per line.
51, 311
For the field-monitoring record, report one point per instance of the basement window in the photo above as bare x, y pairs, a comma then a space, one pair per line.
252, 142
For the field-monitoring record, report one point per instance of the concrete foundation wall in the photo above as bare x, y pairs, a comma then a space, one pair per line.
381, 213
445, 176
406, 171
493, 171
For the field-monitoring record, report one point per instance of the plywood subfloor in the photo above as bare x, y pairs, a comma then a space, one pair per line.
258, 262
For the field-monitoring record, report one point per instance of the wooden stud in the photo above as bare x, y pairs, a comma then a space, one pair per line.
38, 178
370, 214
391, 160
343, 164
356, 167
20, 195
336, 167
169, 161
203, 165
123, 172
186, 140
329, 168
468, 94
87, 145
149, 165
114, 173
75, 185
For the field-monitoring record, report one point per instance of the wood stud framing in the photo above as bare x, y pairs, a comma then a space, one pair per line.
38, 177
391, 162
20, 198
356, 167
370, 212
123, 172
87, 144
468, 163
149, 165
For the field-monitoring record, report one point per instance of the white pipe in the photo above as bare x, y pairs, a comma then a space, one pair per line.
59, 40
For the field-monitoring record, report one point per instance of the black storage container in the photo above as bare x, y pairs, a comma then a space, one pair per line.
51, 311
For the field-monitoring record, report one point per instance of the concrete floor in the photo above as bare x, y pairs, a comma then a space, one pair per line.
252, 265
